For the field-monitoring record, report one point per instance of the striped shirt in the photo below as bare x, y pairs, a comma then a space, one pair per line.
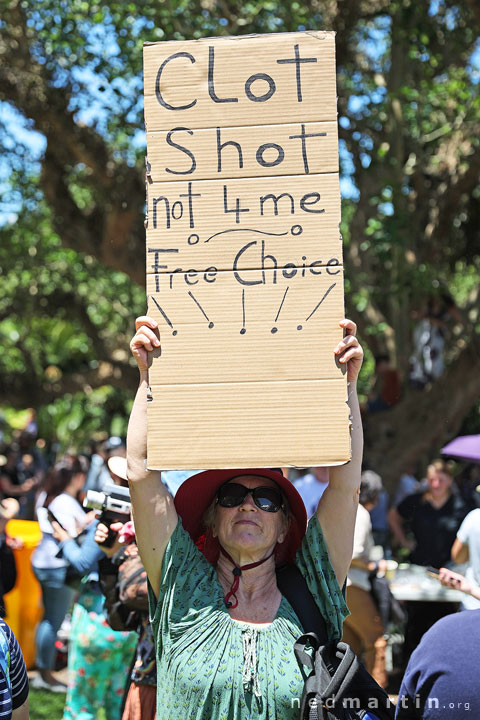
12, 697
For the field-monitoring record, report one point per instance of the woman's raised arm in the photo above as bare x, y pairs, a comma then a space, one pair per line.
154, 513
337, 509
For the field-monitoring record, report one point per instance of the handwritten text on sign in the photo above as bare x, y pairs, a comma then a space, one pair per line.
244, 257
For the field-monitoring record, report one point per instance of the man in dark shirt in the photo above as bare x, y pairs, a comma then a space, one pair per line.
441, 680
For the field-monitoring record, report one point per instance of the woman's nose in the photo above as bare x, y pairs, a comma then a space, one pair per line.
248, 501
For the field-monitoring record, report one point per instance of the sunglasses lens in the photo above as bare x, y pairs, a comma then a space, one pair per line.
267, 499
231, 495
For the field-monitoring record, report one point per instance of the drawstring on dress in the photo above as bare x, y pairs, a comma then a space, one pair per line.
249, 672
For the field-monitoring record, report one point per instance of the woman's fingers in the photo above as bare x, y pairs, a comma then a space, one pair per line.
101, 533
145, 340
348, 341
145, 320
349, 351
349, 326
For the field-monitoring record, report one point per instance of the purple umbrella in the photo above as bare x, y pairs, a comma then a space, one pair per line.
465, 447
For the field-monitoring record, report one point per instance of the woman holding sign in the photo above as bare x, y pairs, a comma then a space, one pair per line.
224, 632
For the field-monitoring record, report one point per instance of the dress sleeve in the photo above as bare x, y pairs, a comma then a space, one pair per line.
313, 562
188, 585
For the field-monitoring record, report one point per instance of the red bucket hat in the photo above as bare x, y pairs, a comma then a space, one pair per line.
197, 493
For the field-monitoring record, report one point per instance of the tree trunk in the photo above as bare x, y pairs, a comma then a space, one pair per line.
405, 435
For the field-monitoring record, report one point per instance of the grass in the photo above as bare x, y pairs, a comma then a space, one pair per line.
49, 706
45, 705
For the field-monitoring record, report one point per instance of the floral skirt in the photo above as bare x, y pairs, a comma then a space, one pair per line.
98, 661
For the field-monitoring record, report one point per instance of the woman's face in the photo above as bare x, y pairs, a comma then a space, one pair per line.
439, 483
246, 527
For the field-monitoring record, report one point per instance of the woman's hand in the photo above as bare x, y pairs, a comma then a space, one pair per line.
101, 534
9, 507
14, 543
349, 350
145, 340
59, 533
451, 579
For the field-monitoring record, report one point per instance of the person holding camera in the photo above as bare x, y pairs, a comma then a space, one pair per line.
98, 657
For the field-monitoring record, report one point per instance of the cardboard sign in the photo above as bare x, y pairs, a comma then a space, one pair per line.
244, 257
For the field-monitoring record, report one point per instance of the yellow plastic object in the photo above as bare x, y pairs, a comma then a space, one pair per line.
24, 603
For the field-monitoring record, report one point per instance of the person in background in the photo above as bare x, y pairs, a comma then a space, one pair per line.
140, 699
379, 518
12, 482
62, 485
311, 487
98, 473
172, 479
387, 389
469, 485
13, 677
98, 657
407, 485
440, 682
31, 468
31, 425
466, 549
427, 361
9, 508
433, 518
363, 628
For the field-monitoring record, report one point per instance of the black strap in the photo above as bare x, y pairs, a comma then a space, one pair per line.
293, 586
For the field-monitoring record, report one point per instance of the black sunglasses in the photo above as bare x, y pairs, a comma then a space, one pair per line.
265, 498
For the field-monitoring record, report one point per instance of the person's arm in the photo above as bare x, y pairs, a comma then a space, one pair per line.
153, 510
454, 580
22, 712
337, 508
11, 490
83, 558
395, 520
460, 553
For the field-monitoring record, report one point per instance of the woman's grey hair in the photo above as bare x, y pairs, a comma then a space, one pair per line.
370, 487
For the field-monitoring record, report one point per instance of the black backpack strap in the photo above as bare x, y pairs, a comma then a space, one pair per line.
293, 586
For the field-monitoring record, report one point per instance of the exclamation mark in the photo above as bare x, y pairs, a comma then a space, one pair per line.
210, 323
243, 330
300, 327
164, 315
275, 329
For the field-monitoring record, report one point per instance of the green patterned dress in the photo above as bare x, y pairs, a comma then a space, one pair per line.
210, 667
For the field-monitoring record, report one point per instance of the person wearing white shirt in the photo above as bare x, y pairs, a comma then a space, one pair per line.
363, 628
311, 488
466, 548
62, 485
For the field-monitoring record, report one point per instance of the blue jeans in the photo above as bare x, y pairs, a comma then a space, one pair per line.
57, 598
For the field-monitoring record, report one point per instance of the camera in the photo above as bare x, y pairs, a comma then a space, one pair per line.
115, 506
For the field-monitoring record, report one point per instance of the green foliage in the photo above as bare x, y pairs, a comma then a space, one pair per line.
72, 168
64, 313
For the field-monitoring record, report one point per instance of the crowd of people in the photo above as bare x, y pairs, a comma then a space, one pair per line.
211, 635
